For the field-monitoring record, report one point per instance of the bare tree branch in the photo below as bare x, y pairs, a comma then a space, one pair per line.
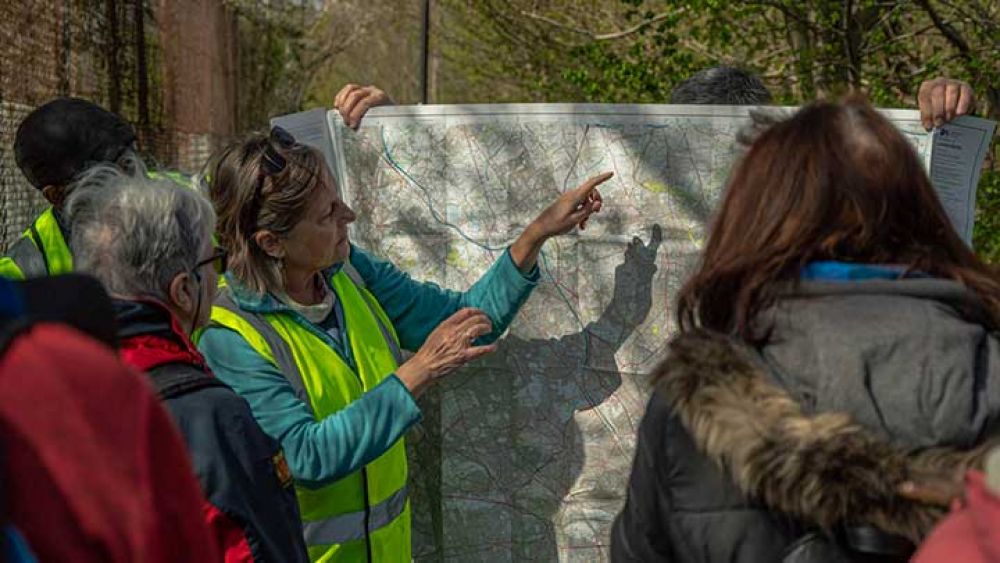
946, 29
599, 36
876, 47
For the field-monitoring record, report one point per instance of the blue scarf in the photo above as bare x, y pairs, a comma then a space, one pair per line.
830, 270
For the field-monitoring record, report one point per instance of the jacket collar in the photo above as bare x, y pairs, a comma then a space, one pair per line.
249, 300
824, 469
948, 292
151, 336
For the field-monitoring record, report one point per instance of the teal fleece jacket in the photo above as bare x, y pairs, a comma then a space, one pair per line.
322, 451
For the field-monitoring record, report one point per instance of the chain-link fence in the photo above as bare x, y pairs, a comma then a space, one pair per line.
67, 47
172, 68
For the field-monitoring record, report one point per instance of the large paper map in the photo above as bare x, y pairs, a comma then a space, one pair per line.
525, 455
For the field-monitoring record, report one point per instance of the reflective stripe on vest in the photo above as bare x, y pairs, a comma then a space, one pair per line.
279, 348
351, 526
334, 514
23, 260
281, 352
41, 251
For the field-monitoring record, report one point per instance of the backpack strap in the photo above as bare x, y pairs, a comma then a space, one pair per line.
169, 381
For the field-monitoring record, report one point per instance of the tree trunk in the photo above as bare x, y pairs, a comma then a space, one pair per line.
112, 47
801, 43
853, 31
141, 69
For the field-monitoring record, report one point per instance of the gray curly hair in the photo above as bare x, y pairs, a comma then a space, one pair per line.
135, 233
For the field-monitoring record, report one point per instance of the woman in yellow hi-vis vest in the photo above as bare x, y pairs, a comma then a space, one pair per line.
310, 330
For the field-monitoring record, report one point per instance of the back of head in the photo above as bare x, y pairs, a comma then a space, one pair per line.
836, 181
263, 183
135, 234
61, 138
721, 85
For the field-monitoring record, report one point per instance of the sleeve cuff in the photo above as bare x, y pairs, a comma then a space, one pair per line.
399, 394
509, 271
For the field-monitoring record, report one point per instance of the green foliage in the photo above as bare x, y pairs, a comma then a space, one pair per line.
986, 233
638, 50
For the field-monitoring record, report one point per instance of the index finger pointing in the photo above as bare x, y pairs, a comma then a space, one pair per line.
581, 193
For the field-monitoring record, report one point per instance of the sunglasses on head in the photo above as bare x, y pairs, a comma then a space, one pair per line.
272, 162
218, 259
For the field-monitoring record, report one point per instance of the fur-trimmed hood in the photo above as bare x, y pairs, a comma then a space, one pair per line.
824, 468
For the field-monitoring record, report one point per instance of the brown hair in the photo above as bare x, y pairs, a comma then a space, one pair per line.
247, 200
833, 182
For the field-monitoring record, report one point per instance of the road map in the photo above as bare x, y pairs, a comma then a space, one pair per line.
525, 455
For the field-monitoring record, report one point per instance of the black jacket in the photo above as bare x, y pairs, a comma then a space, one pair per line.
794, 451
241, 469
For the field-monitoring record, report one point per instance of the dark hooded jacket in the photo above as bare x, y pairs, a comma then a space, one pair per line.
251, 508
793, 451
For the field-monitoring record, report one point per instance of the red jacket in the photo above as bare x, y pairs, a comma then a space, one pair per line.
971, 533
93, 468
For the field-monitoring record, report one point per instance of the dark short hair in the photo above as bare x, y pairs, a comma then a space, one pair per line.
63, 137
722, 85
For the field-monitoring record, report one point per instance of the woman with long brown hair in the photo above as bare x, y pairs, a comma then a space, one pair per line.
836, 329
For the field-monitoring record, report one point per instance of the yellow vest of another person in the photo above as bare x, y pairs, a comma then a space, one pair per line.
364, 516
41, 251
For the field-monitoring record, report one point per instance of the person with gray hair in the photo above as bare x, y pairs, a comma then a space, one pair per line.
150, 242
142, 238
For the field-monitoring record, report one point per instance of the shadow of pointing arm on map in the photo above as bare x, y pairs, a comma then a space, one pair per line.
629, 306
633, 294
578, 371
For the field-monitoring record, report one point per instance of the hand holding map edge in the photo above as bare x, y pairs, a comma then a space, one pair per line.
353, 101
943, 99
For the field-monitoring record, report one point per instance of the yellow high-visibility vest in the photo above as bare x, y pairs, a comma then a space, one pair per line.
367, 511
